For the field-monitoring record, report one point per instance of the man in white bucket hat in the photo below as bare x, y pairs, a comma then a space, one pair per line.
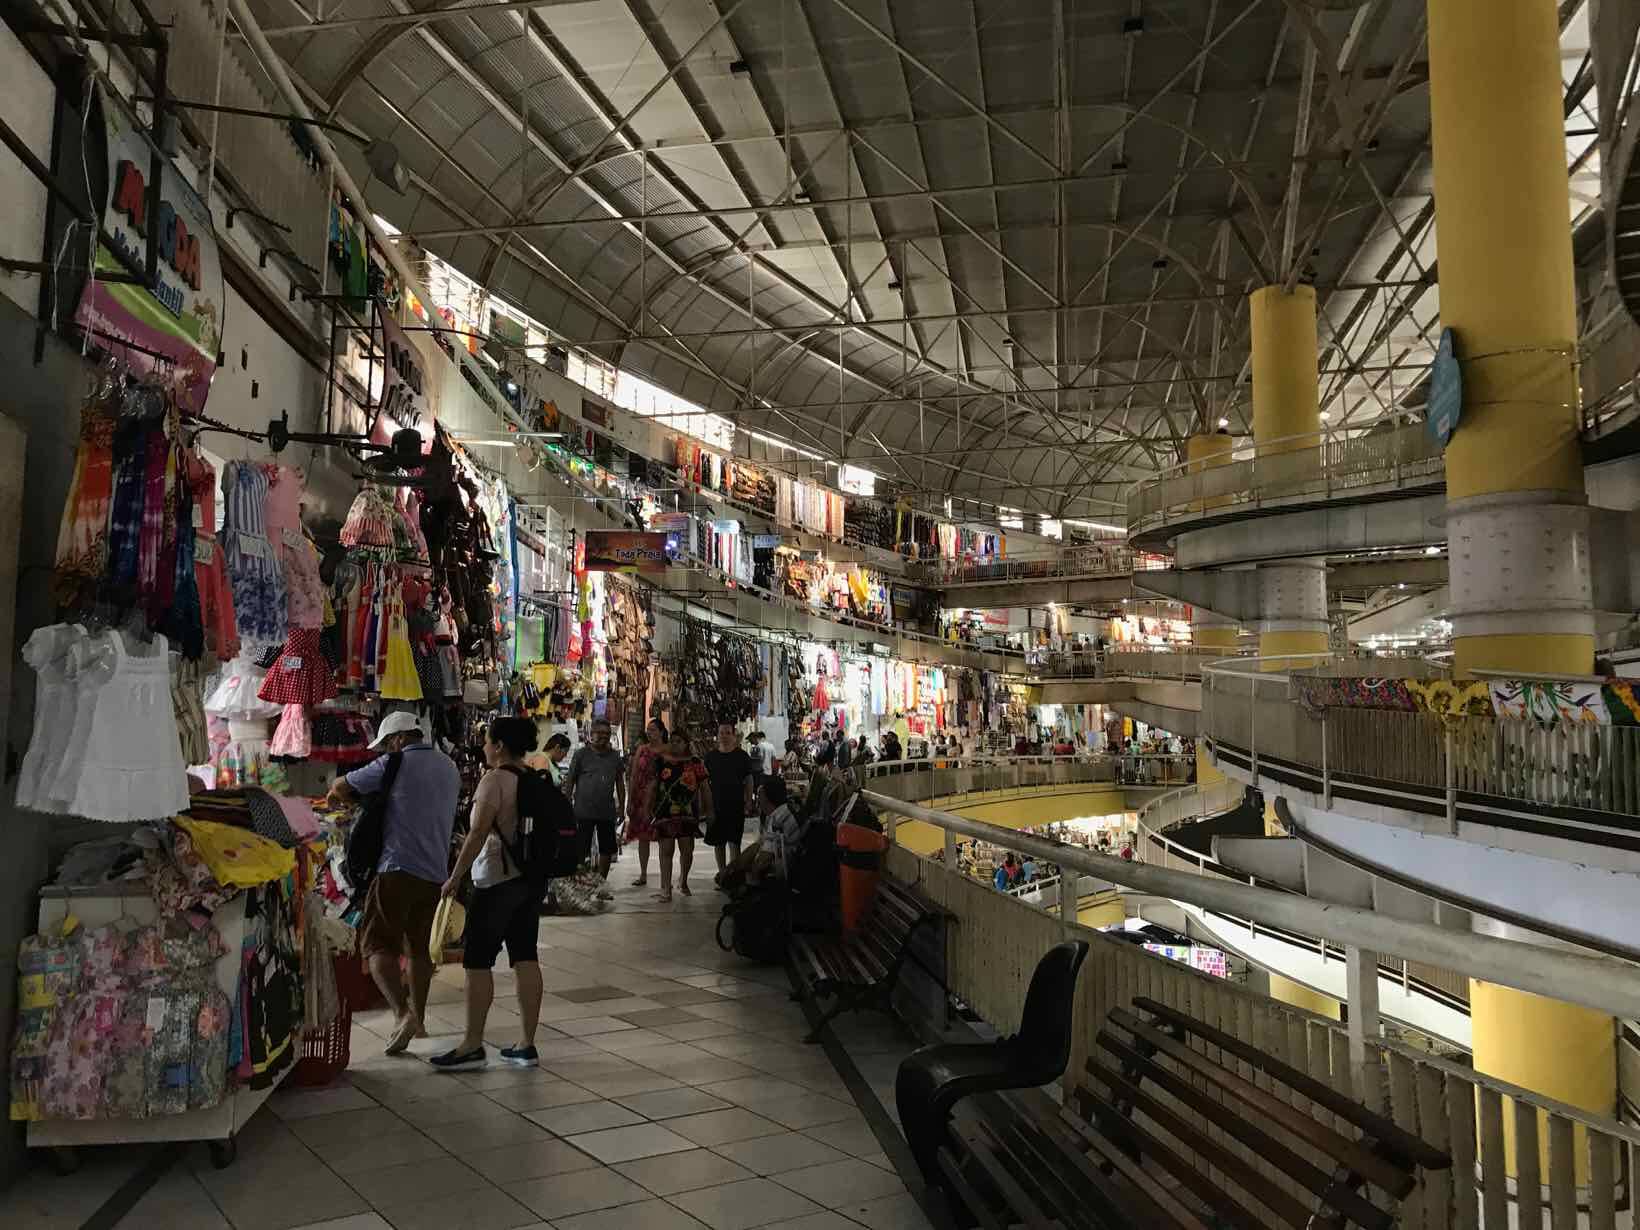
422, 794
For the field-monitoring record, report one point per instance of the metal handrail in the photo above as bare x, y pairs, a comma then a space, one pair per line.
1601, 983
1250, 706
1312, 463
1197, 863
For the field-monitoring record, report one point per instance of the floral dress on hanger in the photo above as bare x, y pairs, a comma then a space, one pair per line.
253, 566
210, 568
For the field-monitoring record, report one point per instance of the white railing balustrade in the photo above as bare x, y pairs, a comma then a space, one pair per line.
1296, 469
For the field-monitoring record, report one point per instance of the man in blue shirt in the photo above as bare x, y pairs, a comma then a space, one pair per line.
415, 861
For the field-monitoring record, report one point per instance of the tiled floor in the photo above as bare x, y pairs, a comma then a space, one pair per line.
673, 1093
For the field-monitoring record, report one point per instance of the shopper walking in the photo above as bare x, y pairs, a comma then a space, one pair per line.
676, 804
729, 770
762, 753
640, 818
399, 908
596, 786
502, 911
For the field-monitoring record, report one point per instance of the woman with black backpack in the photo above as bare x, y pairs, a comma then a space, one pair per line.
504, 907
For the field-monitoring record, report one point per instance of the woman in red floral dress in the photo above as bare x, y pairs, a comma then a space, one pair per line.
640, 819
675, 807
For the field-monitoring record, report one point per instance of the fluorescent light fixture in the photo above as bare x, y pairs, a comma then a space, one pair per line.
1432, 550
497, 443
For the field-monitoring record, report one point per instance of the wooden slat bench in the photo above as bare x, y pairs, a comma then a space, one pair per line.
1179, 1126
860, 969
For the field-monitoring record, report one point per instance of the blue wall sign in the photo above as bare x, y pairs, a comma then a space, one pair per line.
1445, 391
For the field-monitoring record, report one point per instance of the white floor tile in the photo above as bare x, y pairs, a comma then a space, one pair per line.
629, 1144
519, 1163
359, 1221
722, 1126
838, 1183
767, 1155
305, 1103
645, 1215
671, 1173
899, 1212
671, 1103
581, 1191
583, 1117
743, 1205
487, 1208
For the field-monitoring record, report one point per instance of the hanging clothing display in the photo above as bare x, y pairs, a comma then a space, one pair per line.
253, 567
122, 758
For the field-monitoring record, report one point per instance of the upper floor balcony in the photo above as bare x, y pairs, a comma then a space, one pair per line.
1346, 465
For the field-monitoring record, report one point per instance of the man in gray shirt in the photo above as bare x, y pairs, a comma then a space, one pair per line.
398, 910
596, 785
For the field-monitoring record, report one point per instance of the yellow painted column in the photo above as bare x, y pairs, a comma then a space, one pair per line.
1286, 379
1286, 991
1286, 427
1208, 452
1516, 512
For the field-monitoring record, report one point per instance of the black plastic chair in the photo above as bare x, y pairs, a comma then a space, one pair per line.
931, 1081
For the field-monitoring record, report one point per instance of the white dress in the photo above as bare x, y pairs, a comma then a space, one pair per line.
133, 766
50, 651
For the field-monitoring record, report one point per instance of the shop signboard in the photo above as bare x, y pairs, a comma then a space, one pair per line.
405, 384
175, 327
625, 551
1445, 391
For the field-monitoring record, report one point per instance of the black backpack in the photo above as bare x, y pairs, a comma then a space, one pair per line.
366, 838
545, 843
759, 922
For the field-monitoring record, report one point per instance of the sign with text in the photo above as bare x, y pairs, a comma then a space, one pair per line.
624, 551
177, 323
404, 386
1445, 405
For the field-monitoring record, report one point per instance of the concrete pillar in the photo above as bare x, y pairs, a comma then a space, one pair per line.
1286, 427
1516, 510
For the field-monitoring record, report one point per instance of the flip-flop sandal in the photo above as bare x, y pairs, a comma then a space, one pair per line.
684, 889
664, 898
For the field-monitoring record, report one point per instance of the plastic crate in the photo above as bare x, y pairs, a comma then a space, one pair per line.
326, 1051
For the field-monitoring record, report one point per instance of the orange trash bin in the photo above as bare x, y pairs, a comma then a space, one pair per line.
859, 861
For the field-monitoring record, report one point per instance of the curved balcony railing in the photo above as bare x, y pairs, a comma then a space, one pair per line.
1294, 470
1176, 809
1255, 708
944, 776
1182, 664
1097, 559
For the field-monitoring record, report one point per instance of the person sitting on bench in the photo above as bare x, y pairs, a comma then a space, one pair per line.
779, 834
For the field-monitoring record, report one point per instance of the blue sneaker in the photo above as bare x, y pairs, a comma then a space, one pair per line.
456, 1061
520, 1056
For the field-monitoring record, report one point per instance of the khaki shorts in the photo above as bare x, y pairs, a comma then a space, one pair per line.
398, 909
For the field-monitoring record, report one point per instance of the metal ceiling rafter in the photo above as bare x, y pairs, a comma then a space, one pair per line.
968, 104
619, 128
508, 113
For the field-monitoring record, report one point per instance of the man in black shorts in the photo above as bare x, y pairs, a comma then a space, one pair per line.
730, 771
503, 908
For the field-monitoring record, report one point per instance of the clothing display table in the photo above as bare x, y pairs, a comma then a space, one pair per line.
216, 1125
